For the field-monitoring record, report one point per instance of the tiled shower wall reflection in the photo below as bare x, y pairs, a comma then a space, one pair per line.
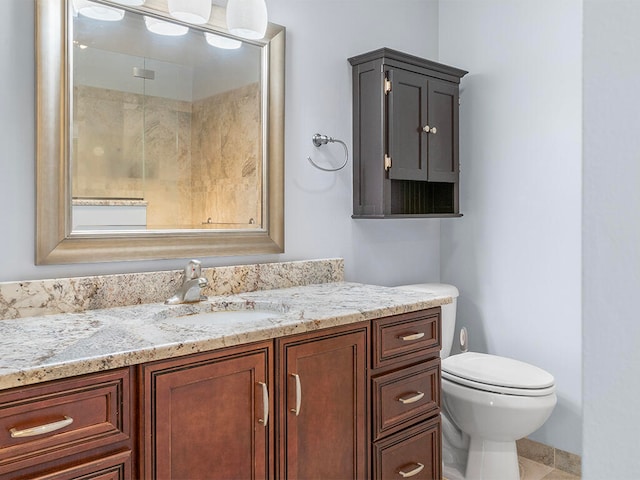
190, 161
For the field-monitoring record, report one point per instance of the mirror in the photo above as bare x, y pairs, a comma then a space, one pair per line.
153, 146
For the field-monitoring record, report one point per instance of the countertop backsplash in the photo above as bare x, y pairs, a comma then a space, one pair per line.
78, 294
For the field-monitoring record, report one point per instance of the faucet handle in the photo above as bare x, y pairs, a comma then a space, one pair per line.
193, 270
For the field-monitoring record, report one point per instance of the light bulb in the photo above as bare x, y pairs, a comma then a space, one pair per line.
222, 42
162, 27
191, 11
247, 18
98, 11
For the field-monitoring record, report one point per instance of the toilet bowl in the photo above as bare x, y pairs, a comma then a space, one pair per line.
489, 402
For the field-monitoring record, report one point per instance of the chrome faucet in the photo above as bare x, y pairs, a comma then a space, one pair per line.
193, 282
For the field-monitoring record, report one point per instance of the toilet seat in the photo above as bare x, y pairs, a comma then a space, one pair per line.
496, 374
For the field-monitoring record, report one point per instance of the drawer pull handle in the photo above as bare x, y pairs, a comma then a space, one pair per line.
265, 405
413, 472
42, 429
411, 399
413, 336
298, 394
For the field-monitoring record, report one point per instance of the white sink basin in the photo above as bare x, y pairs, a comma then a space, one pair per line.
227, 316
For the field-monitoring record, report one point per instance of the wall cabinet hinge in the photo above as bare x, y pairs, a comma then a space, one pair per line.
387, 162
387, 86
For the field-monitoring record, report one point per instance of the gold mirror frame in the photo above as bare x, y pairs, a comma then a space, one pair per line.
55, 241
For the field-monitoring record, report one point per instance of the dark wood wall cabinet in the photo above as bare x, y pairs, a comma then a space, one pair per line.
354, 402
405, 136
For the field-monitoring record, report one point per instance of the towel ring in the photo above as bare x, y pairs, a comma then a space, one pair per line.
319, 140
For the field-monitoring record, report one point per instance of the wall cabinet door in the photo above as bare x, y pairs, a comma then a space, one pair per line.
422, 128
323, 406
442, 119
206, 416
407, 115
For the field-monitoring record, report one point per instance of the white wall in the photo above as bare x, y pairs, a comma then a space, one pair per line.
611, 239
515, 255
320, 37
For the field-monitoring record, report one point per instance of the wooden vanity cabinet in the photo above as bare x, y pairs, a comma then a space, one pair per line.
353, 402
81, 427
406, 396
405, 136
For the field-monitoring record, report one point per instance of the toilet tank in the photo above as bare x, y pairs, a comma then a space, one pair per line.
448, 310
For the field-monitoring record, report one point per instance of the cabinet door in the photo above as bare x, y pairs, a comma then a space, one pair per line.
443, 134
207, 417
323, 407
407, 115
422, 128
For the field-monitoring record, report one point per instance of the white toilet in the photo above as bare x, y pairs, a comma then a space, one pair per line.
489, 402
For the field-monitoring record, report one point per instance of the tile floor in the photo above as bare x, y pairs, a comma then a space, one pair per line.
530, 470
540, 461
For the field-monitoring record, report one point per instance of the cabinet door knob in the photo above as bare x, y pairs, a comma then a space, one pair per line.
265, 404
428, 129
413, 472
41, 429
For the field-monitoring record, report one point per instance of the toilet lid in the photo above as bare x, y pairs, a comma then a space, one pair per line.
488, 371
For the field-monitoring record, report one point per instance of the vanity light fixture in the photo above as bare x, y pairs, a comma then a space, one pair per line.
164, 28
97, 11
247, 18
191, 11
222, 42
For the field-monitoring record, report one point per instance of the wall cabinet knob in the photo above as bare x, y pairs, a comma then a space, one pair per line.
428, 129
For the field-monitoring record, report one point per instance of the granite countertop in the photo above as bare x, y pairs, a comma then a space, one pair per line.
49, 347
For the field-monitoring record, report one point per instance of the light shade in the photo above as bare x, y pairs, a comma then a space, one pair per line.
164, 28
247, 18
191, 11
98, 11
222, 42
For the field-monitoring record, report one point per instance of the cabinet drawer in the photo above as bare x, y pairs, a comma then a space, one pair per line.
48, 421
406, 336
113, 467
416, 452
405, 397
